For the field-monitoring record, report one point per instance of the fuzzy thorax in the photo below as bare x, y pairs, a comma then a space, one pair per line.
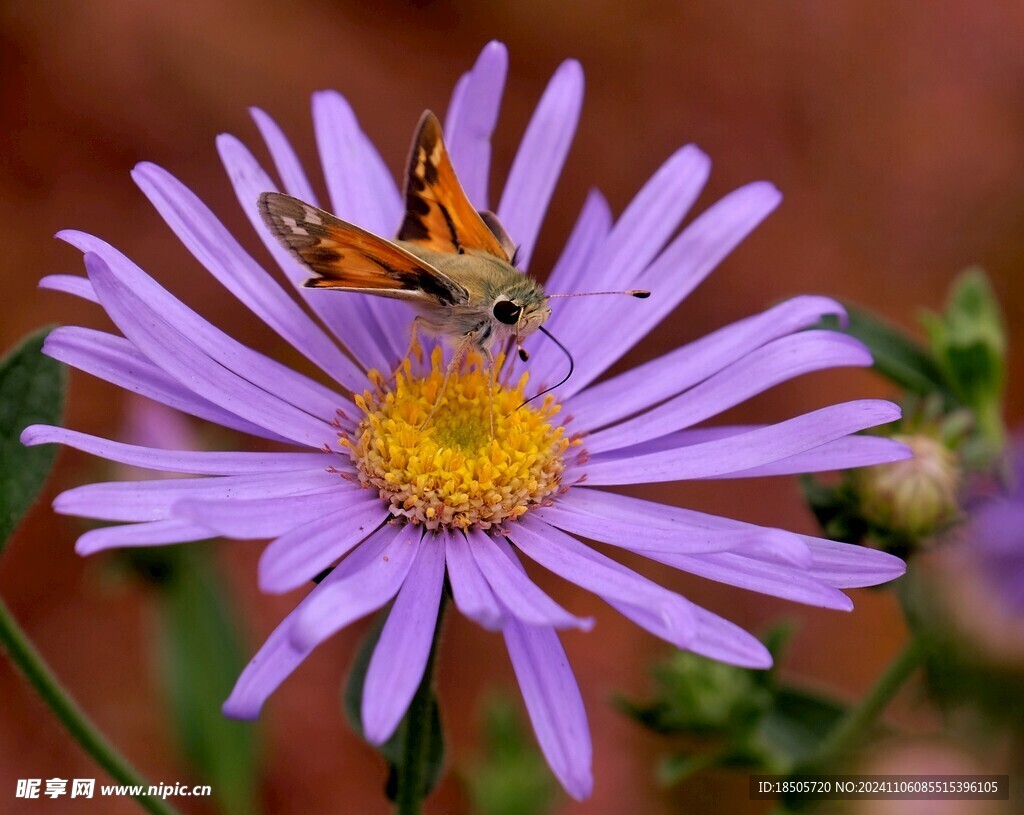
450, 471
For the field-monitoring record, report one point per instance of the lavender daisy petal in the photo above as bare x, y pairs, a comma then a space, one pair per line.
554, 704
116, 360
182, 358
747, 450
400, 657
472, 593
215, 248
362, 192
176, 461
471, 118
737, 569
248, 519
286, 162
639, 234
70, 284
292, 387
249, 181
363, 592
579, 564
152, 500
279, 656
683, 265
302, 553
514, 589
149, 533
691, 364
540, 157
768, 366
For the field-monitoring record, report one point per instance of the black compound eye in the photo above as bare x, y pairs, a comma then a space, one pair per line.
507, 312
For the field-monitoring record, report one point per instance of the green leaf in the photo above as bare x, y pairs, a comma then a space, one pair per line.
969, 342
510, 777
31, 392
392, 750
797, 723
200, 659
897, 356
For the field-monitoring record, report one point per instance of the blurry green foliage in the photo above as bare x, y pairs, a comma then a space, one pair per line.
510, 777
730, 717
199, 658
31, 392
396, 750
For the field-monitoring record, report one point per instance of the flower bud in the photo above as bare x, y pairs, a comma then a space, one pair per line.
914, 497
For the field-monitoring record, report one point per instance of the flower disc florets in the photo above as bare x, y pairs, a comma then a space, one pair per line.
447, 469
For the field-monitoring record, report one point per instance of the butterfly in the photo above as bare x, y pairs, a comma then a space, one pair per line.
454, 264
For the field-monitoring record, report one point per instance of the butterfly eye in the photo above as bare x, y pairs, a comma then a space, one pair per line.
507, 312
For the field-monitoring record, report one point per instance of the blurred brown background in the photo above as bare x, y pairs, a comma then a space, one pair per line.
895, 131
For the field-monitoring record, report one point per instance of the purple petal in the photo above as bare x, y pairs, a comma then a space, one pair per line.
267, 517
278, 656
579, 564
275, 378
153, 533
363, 592
176, 461
115, 359
745, 451
152, 500
591, 229
471, 118
400, 657
735, 569
513, 587
538, 162
217, 249
715, 638
764, 368
181, 357
286, 162
554, 703
684, 367
842, 454
610, 517
657, 535
473, 595
249, 181
70, 284
361, 188
677, 271
305, 551
362, 192
847, 566
638, 236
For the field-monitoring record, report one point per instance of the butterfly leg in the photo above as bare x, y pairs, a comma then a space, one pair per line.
414, 348
492, 375
459, 352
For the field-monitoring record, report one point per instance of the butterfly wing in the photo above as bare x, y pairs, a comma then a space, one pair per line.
438, 215
343, 256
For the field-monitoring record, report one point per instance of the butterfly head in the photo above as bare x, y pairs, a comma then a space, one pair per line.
521, 308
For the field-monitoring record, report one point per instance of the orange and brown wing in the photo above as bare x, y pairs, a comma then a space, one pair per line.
343, 256
438, 215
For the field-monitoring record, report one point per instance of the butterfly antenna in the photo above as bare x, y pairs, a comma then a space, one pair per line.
572, 367
641, 294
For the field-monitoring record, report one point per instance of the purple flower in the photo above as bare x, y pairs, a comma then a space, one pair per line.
995, 535
400, 505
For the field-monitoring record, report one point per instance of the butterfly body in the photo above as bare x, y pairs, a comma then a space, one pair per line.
453, 263
487, 281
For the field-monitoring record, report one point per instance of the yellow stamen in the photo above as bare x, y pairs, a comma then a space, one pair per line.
453, 471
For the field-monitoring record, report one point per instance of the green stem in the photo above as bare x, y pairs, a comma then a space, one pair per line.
416, 735
851, 728
55, 696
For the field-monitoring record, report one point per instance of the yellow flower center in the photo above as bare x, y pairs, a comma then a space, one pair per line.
430, 451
